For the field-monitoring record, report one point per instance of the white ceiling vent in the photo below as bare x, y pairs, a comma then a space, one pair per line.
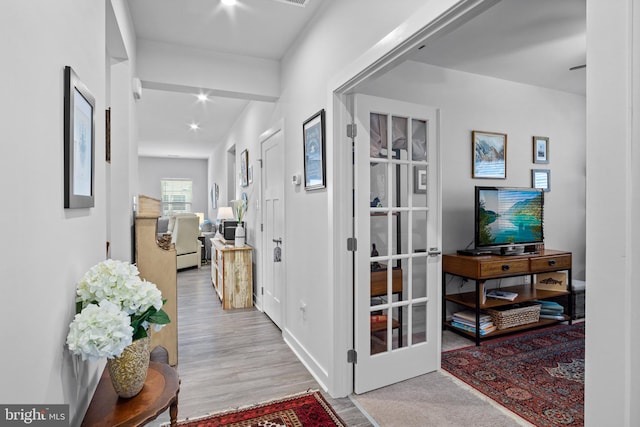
301, 3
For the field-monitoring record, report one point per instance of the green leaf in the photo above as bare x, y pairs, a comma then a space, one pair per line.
139, 333
159, 318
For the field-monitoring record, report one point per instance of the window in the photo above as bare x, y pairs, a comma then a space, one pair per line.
176, 196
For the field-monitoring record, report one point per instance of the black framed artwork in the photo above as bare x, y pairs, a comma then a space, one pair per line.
244, 168
313, 136
79, 142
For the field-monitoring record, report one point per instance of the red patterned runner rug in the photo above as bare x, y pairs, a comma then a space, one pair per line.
308, 409
537, 375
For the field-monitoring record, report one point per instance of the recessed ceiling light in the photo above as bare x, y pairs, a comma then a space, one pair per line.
202, 97
229, 2
194, 126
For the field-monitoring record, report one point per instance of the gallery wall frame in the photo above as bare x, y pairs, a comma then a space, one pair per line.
540, 149
79, 142
313, 137
541, 178
489, 155
244, 168
215, 193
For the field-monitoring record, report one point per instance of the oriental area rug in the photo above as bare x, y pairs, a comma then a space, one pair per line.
537, 375
308, 409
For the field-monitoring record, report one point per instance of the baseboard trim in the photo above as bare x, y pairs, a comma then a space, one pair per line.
316, 370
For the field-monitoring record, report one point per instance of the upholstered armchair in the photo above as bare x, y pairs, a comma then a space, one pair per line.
185, 238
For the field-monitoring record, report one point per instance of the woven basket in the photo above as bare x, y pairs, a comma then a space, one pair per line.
515, 316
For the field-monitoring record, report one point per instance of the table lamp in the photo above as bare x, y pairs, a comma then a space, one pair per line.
224, 212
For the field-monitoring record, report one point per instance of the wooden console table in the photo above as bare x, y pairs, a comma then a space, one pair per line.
232, 274
487, 267
160, 392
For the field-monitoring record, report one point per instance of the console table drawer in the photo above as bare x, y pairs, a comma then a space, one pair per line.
552, 263
503, 268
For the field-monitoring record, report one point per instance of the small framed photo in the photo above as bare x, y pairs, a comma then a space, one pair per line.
214, 196
541, 178
420, 179
313, 136
489, 155
79, 142
244, 168
540, 149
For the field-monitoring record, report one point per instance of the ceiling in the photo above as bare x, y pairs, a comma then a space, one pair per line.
532, 42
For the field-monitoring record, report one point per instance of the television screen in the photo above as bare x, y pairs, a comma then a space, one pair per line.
508, 216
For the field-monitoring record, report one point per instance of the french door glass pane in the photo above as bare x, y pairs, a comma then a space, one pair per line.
418, 140
419, 323
418, 276
378, 196
378, 135
419, 231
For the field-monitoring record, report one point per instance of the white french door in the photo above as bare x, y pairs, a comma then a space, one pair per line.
398, 230
273, 222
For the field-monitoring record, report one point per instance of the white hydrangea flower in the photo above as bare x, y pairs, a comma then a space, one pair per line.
106, 280
119, 284
98, 331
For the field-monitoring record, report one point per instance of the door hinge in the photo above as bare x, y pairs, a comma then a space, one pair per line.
261, 228
352, 130
352, 244
352, 356
261, 290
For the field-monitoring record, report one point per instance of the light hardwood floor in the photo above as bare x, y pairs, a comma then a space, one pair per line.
232, 358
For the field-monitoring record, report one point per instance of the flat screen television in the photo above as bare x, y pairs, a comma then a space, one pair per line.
508, 219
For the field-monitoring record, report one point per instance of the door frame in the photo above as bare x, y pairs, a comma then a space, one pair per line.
429, 22
278, 127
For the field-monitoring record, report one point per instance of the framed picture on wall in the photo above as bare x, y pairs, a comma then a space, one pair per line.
540, 149
214, 196
79, 142
313, 135
244, 168
489, 155
541, 178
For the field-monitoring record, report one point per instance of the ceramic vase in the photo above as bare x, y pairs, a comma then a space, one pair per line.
129, 370
239, 240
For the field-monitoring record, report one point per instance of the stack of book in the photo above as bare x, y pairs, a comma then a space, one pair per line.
495, 293
466, 320
550, 310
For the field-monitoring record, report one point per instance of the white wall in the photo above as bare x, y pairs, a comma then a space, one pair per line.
152, 169
613, 207
521, 111
46, 248
244, 135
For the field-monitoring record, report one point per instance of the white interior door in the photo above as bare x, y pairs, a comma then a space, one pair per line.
273, 223
397, 209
